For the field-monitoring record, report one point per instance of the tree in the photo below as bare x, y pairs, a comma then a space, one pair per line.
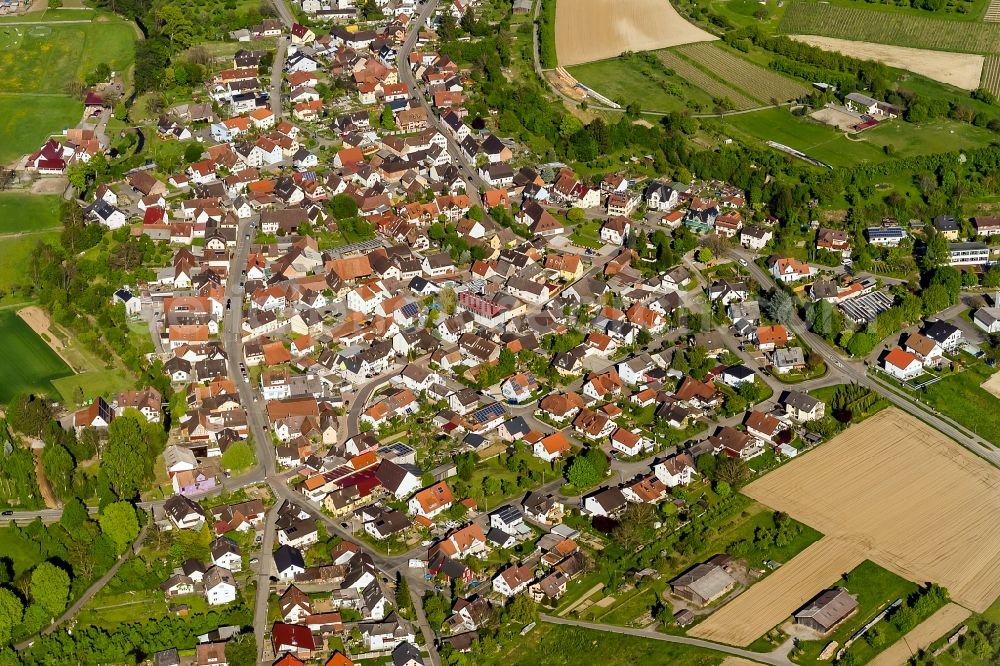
193, 152
238, 457
11, 610
582, 472
723, 489
242, 650
704, 255
118, 521
58, 465
123, 456
50, 588
733, 471
342, 206
935, 298
74, 515
523, 610
778, 306
403, 599
388, 120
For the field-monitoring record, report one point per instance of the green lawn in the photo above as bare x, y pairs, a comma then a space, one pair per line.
875, 588
30, 365
26, 122
960, 397
653, 89
557, 645
38, 61
829, 145
26, 212
815, 139
16, 258
588, 234
92, 383
44, 58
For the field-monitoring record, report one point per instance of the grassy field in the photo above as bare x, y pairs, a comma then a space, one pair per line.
653, 88
44, 58
882, 27
556, 645
24, 212
38, 61
30, 365
829, 145
14, 267
815, 139
875, 588
26, 122
960, 397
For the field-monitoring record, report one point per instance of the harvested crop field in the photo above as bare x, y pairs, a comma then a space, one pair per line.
992, 384
763, 84
766, 604
588, 30
947, 618
962, 70
915, 502
700, 79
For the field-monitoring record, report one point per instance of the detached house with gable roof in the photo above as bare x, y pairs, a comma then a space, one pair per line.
431, 501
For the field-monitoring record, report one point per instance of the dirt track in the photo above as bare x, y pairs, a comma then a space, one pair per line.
588, 30
947, 618
962, 70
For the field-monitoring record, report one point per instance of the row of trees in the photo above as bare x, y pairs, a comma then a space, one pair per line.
70, 555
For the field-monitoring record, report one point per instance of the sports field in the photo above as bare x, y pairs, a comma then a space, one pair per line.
29, 364
909, 498
829, 145
880, 27
44, 58
26, 212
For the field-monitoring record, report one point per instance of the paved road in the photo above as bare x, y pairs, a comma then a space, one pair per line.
473, 181
276, 77
777, 658
264, 571
857, 371
284, 12
91, 591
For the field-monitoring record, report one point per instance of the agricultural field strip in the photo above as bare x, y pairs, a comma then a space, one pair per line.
885, 28
701, 79
945, 619
589, 30
743, 74
992, 12
912, 500
991, 74
767, 603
